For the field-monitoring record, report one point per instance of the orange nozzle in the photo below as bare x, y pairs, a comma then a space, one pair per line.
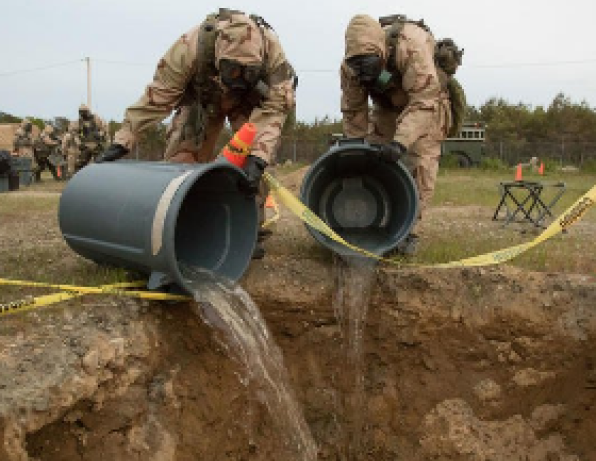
238, 147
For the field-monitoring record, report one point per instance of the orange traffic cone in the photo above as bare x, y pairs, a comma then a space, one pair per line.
518, 172
238, 147
541, 169
270, 201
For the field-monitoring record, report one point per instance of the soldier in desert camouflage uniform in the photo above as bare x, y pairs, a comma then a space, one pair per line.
71, 146
24, 141
411, 112
48, 144
90, 135
232, 67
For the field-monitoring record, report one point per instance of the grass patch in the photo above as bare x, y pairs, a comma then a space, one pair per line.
287, 168
16, 204
480, 187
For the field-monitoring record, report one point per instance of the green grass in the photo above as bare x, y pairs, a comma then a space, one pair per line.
15, 204
31, 247
284, 169
478, 187
451, 237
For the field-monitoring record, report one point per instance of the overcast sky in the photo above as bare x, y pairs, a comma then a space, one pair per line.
521, 50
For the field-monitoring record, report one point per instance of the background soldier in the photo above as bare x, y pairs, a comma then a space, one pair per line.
48, 153
71, 146
90, 136
23, 140
232, 67
411, 113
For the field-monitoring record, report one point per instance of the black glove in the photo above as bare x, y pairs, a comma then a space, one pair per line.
114, 152
391, 152
254, 169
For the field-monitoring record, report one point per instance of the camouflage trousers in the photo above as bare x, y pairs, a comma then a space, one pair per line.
72, 156
422, 159
192, 137
28, 152
49, 160
88, 152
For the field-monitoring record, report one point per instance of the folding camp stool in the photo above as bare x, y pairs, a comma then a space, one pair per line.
524, 200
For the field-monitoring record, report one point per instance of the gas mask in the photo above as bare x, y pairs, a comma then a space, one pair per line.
370, 71
238, 77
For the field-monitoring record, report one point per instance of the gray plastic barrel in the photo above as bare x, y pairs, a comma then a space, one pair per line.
24, 167
369, 202
162, 219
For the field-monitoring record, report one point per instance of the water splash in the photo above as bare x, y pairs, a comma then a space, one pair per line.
244, 334
353, 277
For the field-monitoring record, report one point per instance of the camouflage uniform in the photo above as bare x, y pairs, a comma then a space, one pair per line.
90, 135
414, 109
71, 146
203, 104
23, 142
48, 145
188, 82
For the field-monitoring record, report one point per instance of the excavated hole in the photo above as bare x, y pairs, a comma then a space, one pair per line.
459, 364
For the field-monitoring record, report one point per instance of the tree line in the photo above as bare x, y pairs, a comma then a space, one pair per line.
504, 121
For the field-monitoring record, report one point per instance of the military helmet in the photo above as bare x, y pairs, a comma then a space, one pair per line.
48, 129
83, 108
26, 123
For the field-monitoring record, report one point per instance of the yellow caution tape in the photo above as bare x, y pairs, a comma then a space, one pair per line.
73, 291
273, 218
573, 214
31, 302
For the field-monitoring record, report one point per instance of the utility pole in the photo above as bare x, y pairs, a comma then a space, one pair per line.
88, 60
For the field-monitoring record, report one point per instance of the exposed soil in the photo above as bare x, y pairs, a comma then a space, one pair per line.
461, 364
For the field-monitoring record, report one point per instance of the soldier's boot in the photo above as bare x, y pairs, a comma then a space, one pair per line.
409, 246
259, 251
263, 234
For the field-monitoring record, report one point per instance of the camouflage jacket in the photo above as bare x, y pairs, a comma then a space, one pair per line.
178, 83
71, 142
22, 139
48, 143
90, 132
417, 94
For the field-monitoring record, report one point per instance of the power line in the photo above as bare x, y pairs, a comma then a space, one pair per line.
533, 64
124, 63
142, 64
37, 69
478, 66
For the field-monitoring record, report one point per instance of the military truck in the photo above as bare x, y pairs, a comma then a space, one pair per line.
467, 148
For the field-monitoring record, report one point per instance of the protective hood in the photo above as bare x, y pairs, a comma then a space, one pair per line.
364, 35
239, 39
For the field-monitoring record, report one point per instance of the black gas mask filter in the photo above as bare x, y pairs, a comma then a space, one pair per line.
370, 71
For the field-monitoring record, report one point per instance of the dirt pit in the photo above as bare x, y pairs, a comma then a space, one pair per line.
461, 364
